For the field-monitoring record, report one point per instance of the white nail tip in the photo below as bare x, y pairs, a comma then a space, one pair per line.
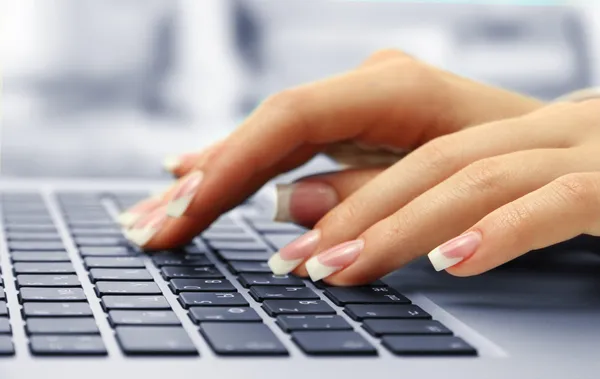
127, 218
140, 237
171, 163
317, 270
176, 208
441, 262
282, 204
282, 267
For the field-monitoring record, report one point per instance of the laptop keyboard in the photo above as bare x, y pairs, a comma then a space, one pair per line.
317, 318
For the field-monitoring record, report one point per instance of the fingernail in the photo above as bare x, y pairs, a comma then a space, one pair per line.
133, 214
171, 163
455, 250
184, 194
334, 259
304, 203
143, 231
289, 257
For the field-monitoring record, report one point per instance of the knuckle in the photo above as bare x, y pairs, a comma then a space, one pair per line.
485, 175
513, 217
438, 153
384, 55
343, 214
289, 100
579, 189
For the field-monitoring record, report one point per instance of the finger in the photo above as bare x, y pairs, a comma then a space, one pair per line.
181, 165
559, 211
427, 167
307, 200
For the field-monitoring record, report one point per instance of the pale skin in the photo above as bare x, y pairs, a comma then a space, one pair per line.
519, 173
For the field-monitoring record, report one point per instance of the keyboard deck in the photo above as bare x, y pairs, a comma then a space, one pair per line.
215, 280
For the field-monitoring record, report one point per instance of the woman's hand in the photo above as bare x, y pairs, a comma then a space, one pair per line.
392, 102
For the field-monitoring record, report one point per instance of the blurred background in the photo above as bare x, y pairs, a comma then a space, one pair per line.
109, 87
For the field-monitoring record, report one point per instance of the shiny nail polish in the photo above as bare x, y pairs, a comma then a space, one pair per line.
455, 251
184, 194
135, 213
304, 202
334, 259
145, 229
291, 256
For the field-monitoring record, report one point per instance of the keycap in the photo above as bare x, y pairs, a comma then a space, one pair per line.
157, 340
43, 268
55, 325
219, 227
201, 285
2, 294
380, 327
210, 299
242, 339
211, 235
361, 312
49, 256
277, 227
25, 228
238, 267
33, 236
143, 318
322, 285
206, 272
35, 246
56, 310
66, 345
30, 219
93, 223
278, 241
237, 245
127, 288
333, 343
248, 280
3, 308
105, 251
292, 323
6, 346
47, 281
51, 294
134, 302
114, 262
5, 326
101, 241
197, 248
261, 293
287, 307
223, 314
96, 232
368, 295
252, 256
428, 345
120, 274
170, 260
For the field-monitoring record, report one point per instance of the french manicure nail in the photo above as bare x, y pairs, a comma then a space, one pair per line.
455, 251
289, 257
133, 214
334, 259
184, 194
171, 163
304, 202
143, 231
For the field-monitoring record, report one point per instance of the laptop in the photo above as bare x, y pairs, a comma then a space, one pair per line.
78, 301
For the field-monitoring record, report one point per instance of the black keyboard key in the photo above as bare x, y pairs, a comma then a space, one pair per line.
196, 248
43, 268
231, 228
158, 318
101, 241
81, 223
383, 327
96, 232
56, 310
120, 274
33, 236
2, 294
3, 308
48, 281
428, 345
251, 256
277, 227
209, 299
47, 256
365, 295
5, 326
322, 285
29, 228
134, 302
279, 241
248, 280
212, 235
35, 246
6, 346
114, 262
223, 314
127, 288
236, 245
201, 285
66, 345
291, 323
261, 293
165, 340
361, 312
206, 272
51, 294
171, 260
105, 251
238, 267
70, 325
242, 339
291, 307
333, 343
